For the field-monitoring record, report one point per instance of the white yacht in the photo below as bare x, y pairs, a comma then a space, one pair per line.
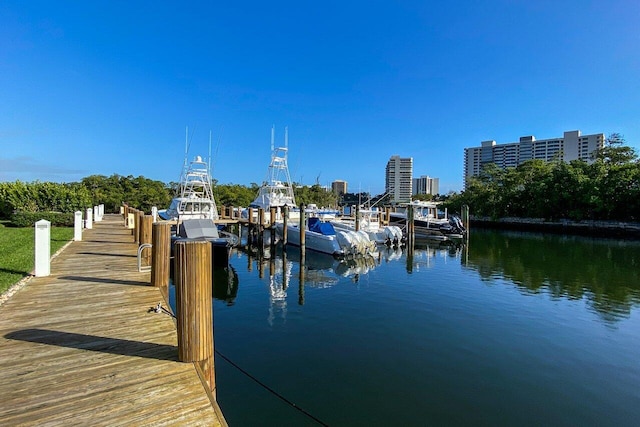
277, 190
195, 196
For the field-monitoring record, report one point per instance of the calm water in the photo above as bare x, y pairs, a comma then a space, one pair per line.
513, 329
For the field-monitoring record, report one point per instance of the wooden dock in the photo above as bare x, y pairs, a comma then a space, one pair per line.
80, 347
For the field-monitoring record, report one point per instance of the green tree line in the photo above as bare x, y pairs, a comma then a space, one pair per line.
608, 188
141, 193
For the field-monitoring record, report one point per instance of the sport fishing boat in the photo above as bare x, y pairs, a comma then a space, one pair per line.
194, 199
277, 190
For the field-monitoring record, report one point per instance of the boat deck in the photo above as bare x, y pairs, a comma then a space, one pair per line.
80, 347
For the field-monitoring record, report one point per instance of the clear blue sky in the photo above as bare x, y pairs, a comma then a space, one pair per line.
108, 87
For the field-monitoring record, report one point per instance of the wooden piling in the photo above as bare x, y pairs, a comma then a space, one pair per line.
358, 217
285, 219
465, 217
250, 216
272, 217
193, 265
261, 226
161, 256
146, 224
410, 227
302, 228
133, 214
136, 230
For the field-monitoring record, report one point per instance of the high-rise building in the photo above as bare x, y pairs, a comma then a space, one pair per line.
339, 187
398, 176
572, 146
426, 185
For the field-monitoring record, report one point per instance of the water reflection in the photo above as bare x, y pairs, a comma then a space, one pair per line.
604, 272
225, 284
424, 253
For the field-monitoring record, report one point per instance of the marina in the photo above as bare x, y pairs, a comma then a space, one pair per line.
511, 329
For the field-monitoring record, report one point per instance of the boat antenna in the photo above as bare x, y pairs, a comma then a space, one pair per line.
215, 155
186, 141
209, 165
286, 137
273, 135
186, 150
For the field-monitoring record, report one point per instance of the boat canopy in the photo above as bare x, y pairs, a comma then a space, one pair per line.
325, 228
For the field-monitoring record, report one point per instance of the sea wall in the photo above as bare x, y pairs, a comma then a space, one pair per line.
616, 229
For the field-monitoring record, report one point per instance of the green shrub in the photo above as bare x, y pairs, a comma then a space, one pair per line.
28, 219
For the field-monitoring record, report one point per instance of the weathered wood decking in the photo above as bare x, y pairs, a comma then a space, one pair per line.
79, 347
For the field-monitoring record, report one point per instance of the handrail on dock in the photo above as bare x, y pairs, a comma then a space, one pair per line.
146, 268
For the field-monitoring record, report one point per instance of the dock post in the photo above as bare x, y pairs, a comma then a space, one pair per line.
136, 230
260, 226
133, 214
302, 228
358, 217
42, 248
194, 306
465, 217
410, 226
161, 256
77, 226
89, 221
146, 222
250, 215
272, 217
285, 219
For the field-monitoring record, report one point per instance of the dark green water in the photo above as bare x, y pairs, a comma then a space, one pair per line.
513, 329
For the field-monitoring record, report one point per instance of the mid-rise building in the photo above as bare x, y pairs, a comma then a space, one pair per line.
572, 146
426, 185
339, 187
398, 177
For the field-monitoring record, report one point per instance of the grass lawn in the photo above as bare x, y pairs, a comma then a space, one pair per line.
17, 258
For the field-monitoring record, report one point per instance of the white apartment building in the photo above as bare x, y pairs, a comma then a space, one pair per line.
426, 185
398, 178
572, 146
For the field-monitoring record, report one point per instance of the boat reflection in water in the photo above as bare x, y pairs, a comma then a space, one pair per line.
426, 252
318, 271
225, 284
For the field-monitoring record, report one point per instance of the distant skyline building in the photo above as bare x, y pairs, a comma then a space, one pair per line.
339, 187
426, 185
571, 146
398, 178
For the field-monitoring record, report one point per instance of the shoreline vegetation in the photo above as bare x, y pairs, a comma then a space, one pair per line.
590, 228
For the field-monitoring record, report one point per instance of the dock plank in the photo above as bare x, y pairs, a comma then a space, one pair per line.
80, 346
